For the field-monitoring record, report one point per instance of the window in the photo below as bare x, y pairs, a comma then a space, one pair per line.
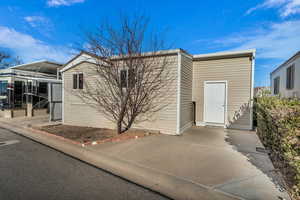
123, 78
3, 88
131, 78
290, 74
276, 85
75, 77
78, 81
127, 78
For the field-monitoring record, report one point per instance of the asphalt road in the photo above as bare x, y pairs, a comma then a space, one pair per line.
29, 171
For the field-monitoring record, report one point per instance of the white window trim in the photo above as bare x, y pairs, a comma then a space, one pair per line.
127, 77
76, 80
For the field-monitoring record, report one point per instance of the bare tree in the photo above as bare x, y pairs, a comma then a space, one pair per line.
125, 84
7, 60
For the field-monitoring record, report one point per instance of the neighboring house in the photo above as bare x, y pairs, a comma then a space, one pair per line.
210, 89
258, 91
285, 79
24, 88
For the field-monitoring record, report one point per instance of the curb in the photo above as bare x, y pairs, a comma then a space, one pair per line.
167, 185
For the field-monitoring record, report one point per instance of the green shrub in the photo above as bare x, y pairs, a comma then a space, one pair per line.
278, 126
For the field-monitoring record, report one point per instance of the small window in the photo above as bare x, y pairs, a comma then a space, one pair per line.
276, 85
123, 78
75, 78
128, 78
290, 77
131, 78
80, 81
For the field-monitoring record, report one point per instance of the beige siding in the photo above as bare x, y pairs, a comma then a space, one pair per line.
237, 73
186, 106
166, 119
76, 112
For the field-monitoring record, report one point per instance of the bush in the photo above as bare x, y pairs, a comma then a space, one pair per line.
278, 126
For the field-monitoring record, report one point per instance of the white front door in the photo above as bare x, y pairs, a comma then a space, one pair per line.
214, 102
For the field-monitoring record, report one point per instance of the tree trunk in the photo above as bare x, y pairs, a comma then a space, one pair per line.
129, 124
119, 127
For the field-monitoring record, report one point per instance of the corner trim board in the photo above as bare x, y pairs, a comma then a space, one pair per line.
63, 99
252, 90
186, 126
178, 93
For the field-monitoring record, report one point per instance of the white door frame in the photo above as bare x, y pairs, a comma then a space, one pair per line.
225, 107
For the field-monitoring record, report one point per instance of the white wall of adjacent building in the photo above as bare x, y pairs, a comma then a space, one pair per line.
282, 73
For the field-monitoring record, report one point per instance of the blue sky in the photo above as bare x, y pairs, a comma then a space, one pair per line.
50, 29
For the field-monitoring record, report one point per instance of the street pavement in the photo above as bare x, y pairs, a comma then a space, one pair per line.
29, 171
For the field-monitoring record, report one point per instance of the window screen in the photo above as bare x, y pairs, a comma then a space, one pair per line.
80, 81
75, 81
276, 85
290, 73
123, 78
131, 78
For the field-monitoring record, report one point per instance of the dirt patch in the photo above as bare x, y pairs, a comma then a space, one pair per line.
87, 135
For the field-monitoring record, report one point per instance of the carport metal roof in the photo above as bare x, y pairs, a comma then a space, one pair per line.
39, 66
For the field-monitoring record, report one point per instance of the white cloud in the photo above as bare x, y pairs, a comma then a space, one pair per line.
29, 48
36, 21
277, 41
286, 7
56, 3
291, 8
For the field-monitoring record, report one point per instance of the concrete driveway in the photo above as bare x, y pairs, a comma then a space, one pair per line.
225, 161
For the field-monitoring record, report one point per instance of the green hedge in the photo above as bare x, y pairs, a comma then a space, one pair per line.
278, 126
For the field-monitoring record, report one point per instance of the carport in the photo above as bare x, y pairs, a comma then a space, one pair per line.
24, 88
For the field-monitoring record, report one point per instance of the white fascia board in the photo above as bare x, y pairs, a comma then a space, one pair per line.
88, 58
82, 58
39, 79
33, 63
7, 70
226, 53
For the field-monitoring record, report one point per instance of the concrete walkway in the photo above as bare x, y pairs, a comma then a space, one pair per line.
217, 159
203, 163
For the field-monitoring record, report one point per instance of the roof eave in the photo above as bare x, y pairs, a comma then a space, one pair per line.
286, 62
35, 62
229, 54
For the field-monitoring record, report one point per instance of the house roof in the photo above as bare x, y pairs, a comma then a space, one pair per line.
296, 55
42, 66
225, 54
84, 56
88, 57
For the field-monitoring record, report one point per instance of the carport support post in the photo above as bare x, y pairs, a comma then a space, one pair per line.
29, 109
